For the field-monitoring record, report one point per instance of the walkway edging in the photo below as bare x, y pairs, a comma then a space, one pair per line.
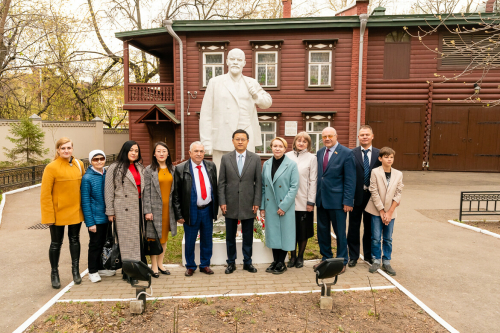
22, 189
482, 231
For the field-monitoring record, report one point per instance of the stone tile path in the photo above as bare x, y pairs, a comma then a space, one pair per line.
240, 282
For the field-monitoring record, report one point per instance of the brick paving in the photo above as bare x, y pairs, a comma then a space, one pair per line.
239, 282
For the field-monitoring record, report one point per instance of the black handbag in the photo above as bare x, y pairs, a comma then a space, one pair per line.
152, 247
111, 256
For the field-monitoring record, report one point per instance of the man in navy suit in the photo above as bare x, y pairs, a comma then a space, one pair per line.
366, 158
335, 193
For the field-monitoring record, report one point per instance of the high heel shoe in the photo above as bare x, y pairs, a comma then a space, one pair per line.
166, 272
155, 275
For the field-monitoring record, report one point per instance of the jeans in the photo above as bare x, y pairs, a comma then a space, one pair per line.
96, 243
379, 229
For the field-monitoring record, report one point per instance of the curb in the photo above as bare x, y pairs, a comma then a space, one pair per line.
22, 189
482, 231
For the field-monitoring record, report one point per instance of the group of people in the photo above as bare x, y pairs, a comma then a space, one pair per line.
145, 203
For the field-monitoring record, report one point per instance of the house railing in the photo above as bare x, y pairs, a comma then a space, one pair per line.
11, 179
150, 93
481, 203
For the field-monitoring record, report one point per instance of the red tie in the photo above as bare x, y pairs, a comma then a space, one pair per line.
202, 183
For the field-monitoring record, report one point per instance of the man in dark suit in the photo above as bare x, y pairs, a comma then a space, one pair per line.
240, 192
195, 205
366, 158
335, 193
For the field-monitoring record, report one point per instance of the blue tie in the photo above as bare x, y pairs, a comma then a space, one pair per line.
366, 166
240, 163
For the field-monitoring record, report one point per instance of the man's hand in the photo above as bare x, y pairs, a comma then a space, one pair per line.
263, 213
223, 208
281, 212
149, 217
253, 91
93, 228
347, 208
181, 221
111, 218
388, 217
310, 208
382, 215
255, 209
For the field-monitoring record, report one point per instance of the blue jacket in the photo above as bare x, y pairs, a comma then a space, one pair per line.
93, 204
336, 186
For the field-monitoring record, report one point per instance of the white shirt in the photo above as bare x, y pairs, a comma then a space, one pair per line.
200, 201
370, 149
243, 156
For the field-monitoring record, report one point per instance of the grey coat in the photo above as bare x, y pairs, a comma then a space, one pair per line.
240, 193
122, 201
153, 203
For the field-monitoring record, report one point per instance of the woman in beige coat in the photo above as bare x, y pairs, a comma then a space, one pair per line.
306, 196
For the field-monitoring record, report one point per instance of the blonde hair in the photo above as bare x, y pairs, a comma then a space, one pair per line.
283, 141
59, 143
305, 136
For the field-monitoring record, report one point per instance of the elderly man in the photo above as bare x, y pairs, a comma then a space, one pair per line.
195, 205
335, 193
229, 104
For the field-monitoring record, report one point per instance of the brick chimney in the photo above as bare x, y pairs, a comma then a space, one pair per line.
490, 5
287, 8
359, 7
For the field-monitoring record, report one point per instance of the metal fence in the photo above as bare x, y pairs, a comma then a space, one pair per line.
483, 203
11, 179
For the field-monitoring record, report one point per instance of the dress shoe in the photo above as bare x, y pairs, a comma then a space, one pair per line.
271, 267
230, 268
291, 262
374, 267
166, 272
316, 266
54, 278
352, 263
189, 272
280, 268
299, 263
155, 275
250, 268
206, 270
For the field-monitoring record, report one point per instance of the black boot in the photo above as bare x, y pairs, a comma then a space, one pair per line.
54, 278
74, 250
54, 253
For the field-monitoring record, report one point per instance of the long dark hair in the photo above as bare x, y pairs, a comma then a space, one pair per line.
122, 162
154, 162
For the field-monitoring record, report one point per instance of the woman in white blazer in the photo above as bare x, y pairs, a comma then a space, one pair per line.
306, 196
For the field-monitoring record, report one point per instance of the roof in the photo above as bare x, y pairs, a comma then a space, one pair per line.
152, 112
309, 22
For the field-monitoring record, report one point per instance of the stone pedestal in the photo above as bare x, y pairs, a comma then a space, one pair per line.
326, 303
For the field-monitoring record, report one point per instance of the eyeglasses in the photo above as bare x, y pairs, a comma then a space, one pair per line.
240, 140
99, 159
328, 136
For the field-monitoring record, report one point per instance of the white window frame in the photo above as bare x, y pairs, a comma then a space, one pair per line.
275, 67
205, 65
315, 135
263, 136
320, 64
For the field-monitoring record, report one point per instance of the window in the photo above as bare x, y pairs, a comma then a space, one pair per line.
266, 68
320, 73
268, 132
314, 128
460, 51
397, 55
213, 65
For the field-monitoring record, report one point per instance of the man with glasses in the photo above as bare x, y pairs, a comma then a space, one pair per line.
240, 192
335, 194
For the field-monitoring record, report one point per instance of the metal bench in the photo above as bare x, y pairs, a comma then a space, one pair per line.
479, 203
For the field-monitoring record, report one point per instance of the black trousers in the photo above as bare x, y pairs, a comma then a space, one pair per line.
279, 255
96, 243
247, 232
56, 241
353, 233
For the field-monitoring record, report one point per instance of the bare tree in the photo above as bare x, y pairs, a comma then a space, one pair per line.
445, 6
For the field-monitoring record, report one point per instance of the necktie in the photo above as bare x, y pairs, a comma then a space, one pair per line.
202, 183
366, 167
325, 159
240, 163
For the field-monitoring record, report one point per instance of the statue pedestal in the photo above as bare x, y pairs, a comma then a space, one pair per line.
260, 253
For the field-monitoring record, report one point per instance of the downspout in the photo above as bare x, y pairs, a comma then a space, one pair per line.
363, 18
168, 24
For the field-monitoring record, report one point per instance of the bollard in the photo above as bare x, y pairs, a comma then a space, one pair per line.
326, 301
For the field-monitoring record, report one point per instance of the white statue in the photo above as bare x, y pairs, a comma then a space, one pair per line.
228, 105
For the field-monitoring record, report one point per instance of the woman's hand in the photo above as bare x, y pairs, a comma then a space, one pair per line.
281, 212
310, 208
93, 228
263, 213
111, 218
149, 217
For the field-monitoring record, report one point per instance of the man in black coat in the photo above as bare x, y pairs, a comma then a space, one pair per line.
366, 158
195, 204
240, 192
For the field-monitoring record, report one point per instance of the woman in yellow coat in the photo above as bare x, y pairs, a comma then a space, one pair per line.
60, 202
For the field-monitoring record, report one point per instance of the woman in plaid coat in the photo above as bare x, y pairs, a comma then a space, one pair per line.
123, 196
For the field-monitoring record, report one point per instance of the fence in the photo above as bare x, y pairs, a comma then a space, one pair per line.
11, 179
488, 203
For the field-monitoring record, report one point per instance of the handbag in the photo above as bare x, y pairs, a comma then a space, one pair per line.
152, 247
111, 256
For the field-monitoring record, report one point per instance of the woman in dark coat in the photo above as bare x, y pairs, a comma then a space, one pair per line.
158, 210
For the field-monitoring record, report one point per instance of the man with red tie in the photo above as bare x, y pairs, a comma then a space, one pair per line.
196, 205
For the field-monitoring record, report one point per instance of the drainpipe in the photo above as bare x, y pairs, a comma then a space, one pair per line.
168, 24
363, 18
